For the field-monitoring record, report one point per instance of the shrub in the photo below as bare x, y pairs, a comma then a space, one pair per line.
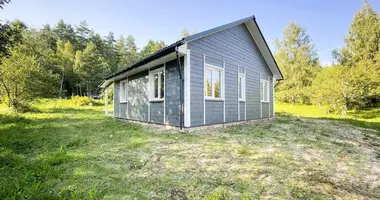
85, 101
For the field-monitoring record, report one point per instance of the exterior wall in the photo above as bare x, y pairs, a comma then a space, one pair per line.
242, 110
172, 90
231, 92
138, 96
140, 108
196, 89
214, 112
157, 112
116, 98
236, 47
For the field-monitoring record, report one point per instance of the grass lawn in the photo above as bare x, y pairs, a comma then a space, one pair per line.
68, 152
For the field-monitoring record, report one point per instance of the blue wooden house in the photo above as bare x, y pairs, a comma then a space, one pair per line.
218, 76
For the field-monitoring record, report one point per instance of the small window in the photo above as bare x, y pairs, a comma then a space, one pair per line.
157, 85
213, 82
123, 90
241, 87
264, 90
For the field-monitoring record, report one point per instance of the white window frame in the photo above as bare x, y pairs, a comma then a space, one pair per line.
242, 76
214, 68
265, 89
151, 84
123, 92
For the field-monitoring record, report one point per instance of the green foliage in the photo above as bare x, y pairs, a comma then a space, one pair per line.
361, 59
151, 47
84, 101
90, 67
22, 78
298, 60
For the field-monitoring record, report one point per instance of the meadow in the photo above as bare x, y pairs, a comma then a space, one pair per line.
66, 151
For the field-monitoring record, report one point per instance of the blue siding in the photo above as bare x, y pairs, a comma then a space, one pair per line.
157, 112
213, 61
196, 88
242, 111
214, 112
231, 92
123, 110
172, 90
138, 96
116, 98
265, 110
235, 46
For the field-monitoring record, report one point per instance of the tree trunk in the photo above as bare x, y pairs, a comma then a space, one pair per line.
60, 89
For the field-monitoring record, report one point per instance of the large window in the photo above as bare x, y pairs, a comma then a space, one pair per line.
213, 82
264, 90
241, 87
123, 90
157, 85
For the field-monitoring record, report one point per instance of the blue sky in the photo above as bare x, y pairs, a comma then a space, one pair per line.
327, 21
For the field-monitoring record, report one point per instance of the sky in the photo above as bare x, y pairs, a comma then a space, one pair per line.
326, 21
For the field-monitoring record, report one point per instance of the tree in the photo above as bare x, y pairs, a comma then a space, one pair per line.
360, 55
151, 47
299, 63
22, 78
65, 57
10, 35
111, 52
331, 89
3, 2
90, 67
126, 52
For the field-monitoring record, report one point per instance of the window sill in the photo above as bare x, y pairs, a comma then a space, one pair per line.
213, 99
241, 100
156, 100
123, 102
264, 101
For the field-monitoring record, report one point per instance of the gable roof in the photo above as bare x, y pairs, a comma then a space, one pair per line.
252, 27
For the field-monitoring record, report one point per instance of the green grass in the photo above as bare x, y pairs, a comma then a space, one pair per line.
69, 152
363, 118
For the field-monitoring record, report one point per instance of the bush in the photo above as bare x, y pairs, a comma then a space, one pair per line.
85, 101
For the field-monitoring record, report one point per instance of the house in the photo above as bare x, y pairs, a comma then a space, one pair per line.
222, 75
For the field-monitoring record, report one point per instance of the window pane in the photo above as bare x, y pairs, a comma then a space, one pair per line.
155, 86
122, 91
216, 84
162, 85
208, 79
240, 88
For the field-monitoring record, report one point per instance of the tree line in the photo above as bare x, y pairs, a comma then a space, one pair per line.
353, 80
60, 60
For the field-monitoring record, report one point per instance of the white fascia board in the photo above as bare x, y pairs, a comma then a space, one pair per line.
265, 51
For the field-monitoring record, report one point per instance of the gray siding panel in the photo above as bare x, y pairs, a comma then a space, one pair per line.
157, 112
138, 96
231, 92
253, 99
242, 111
214, 112
116, 98
123, 110
196, 89
236, 46
265, 110
172, 91
213, 61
